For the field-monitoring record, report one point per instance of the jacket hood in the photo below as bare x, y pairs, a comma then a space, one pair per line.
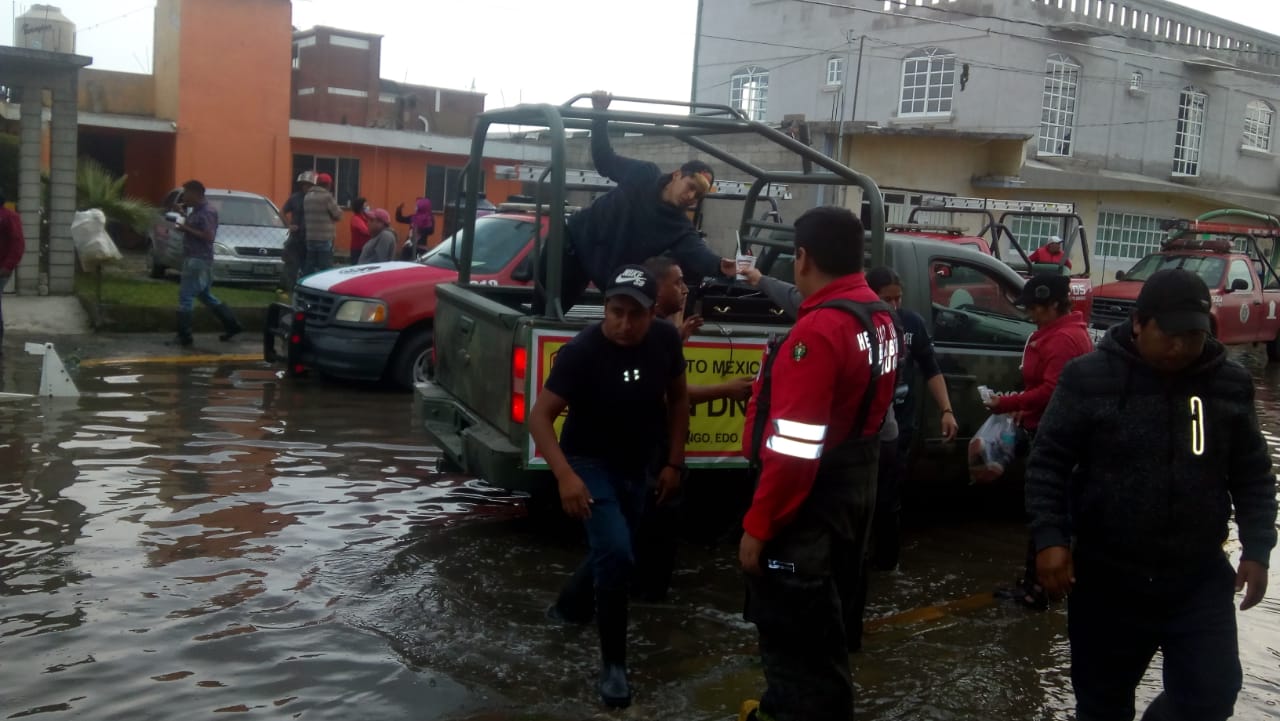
1119, 342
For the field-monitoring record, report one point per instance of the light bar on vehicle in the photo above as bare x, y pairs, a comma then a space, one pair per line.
954, 202
1196, 227
533, 173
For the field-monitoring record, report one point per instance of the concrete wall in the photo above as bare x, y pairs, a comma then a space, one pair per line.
108, 91
1006, 52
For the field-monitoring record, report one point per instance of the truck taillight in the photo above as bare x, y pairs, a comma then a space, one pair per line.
519, 372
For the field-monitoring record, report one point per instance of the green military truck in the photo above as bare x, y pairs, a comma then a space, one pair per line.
492, 353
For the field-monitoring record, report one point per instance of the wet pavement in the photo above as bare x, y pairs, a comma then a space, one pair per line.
196, 540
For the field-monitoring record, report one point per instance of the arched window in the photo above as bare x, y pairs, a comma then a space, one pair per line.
749, 91
928, 83
1058, 105
1188, 138
1258, 117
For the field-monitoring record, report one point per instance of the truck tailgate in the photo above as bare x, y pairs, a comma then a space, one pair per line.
474, 336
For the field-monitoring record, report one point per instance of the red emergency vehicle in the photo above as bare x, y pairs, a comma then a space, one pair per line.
996, 238
1237, 262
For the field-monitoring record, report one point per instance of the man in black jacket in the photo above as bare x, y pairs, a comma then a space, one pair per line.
643, 217
1147, 445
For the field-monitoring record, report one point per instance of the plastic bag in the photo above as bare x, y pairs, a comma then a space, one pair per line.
93, 245
992, 448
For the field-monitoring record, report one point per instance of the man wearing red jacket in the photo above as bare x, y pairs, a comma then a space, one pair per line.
12, 246
813, 425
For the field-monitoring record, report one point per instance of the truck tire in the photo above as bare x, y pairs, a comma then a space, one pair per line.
412, 361
1273, 349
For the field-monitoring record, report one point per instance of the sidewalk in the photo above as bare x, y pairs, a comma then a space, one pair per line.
45, 315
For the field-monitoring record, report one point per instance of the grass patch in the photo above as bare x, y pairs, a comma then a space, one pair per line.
149, 293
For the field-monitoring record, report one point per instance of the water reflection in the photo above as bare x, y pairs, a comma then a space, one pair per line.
194, 540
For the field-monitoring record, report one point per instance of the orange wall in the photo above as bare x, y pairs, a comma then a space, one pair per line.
390, 177
233, 104
149, 159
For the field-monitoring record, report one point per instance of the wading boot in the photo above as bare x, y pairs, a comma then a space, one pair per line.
230, 325
184, 329
611, 618
577, 599
750, 711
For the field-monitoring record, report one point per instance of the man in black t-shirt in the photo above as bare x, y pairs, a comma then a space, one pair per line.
623, 381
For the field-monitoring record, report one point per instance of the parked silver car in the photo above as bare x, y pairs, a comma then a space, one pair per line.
250, 243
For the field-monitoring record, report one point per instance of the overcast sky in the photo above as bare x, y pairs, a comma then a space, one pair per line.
510, 49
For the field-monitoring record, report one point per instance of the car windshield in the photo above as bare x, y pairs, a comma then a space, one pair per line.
498, 240
1208, 267
238, 210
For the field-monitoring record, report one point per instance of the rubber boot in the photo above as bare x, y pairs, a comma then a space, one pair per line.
184, 328
611, 618
577, 599
750, 711
230, 325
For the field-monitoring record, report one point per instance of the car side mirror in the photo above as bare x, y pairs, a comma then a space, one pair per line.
523, 272
1119, 275
1239, 284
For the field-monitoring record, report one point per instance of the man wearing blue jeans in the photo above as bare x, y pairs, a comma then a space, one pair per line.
623, 382
198, 232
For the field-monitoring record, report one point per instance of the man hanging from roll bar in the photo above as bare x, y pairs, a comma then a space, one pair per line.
644, 216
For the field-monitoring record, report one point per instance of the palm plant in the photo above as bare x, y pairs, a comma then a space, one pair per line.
95, 188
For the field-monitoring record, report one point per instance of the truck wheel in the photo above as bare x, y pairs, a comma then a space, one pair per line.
1273, 349
412, 361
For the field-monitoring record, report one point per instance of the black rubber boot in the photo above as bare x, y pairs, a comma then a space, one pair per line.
230, 325
611, 618
577, 599
184, 328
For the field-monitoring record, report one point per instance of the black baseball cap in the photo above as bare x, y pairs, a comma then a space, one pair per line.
1045, 289
634, 282
1177, 299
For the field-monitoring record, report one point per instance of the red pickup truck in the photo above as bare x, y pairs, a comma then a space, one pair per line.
375, 322
995, 233
1237, 262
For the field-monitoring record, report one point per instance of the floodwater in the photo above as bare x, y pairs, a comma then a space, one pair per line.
192, 542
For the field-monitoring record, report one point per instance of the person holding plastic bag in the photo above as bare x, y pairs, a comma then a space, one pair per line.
1061, 336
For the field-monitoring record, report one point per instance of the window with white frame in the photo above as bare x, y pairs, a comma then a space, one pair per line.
1058, 105
928, 83
1034, 232
1127, 235
749, 91
1258, 117
1190, 132
835, 71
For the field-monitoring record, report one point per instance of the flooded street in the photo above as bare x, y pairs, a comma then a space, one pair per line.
191, 541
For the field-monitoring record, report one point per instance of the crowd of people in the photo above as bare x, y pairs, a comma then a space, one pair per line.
313, 214
1137, 454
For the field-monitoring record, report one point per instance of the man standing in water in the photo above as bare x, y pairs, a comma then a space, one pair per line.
1148, 445
623, 382
814, 422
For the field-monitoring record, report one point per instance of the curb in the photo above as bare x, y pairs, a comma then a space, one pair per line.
118, 318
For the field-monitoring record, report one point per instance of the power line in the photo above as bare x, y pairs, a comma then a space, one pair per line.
1119, 51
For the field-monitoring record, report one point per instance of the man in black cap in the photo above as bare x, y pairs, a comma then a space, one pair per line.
623, 382
1148, 445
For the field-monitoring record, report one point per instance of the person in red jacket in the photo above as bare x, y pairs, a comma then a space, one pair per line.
1061, 336
12, 246
360, 233
1050, 252
813, 435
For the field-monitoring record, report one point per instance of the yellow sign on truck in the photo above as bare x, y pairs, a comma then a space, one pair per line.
716, 432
